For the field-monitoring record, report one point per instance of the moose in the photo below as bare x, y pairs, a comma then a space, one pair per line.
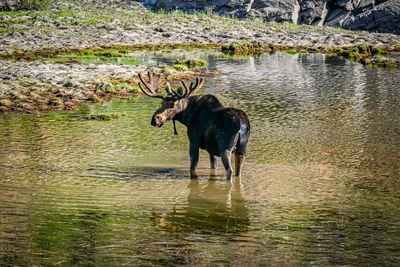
220, 131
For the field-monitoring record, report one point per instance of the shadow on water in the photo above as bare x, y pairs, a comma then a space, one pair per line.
320, 184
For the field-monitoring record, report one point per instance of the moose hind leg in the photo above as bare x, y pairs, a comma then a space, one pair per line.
226, 160
213, 164
240, 152
239, 159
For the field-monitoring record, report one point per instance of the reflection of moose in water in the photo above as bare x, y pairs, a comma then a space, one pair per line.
210, 126
213, 206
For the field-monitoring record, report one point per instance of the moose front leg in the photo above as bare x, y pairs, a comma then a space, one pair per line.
226, 160
194, 159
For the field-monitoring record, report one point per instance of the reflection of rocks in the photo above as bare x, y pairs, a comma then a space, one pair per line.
215, 206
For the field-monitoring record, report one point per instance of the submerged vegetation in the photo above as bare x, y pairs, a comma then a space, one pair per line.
102, 117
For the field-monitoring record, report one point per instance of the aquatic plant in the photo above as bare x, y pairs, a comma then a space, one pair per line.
102, 117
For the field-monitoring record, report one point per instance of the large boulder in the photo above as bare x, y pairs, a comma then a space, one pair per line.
271, 10
384, 17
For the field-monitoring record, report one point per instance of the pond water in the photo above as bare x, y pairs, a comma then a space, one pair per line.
320, 185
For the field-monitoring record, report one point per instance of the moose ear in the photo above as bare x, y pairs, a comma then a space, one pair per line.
180, 91
168, 89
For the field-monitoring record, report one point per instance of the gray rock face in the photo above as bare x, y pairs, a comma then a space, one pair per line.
384, 17
8, 4
371, 15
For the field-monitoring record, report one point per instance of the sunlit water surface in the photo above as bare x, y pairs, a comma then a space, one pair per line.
320, 184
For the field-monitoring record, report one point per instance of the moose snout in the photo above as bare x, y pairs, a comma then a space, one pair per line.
157, 120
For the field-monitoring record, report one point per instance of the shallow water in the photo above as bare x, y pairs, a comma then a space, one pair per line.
320, 184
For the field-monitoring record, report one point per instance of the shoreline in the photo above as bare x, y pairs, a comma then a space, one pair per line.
90, 24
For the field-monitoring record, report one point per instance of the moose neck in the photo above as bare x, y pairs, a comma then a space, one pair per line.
197, 107
187, 112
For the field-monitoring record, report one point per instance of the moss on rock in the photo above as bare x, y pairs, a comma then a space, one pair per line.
189, 64
245, 48
366, 54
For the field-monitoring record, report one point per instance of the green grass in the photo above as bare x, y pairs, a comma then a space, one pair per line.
291, 51
18, 13
11, 22
10, 30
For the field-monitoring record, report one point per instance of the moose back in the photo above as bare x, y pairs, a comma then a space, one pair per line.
220, 131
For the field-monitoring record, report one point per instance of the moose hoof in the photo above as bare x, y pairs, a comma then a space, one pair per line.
228, 174
193, 175
213, 173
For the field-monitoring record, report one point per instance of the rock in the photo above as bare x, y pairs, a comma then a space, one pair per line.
5, 18
272, 10
115, 21
8, 5
384, 17
372, 15
55, 102
5, 103
68, 84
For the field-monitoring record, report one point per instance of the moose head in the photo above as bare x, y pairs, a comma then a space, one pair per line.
174, 102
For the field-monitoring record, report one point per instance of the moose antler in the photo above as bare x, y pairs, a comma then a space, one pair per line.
193, 88
155, 80
150, 88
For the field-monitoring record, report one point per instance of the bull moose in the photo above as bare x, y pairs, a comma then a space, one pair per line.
210, 126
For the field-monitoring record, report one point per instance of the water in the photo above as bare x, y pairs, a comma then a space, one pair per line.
320, 185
